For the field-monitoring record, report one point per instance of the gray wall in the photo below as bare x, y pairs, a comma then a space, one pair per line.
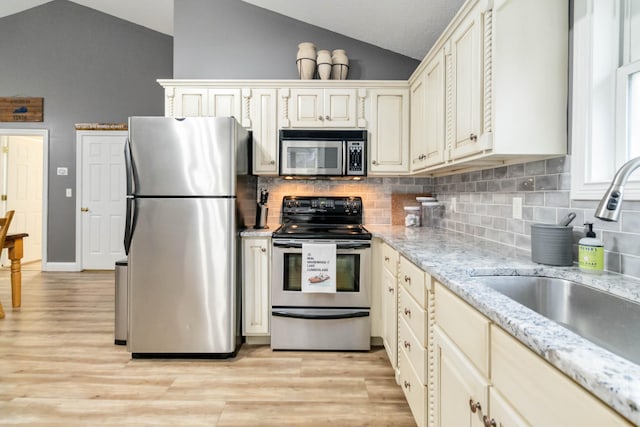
230, 39
89, 67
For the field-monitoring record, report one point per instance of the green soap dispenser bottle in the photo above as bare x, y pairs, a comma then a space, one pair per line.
591, 252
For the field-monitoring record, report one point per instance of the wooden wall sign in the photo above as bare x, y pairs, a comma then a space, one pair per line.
15, 109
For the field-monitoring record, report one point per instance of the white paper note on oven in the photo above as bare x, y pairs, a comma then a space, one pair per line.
318, 267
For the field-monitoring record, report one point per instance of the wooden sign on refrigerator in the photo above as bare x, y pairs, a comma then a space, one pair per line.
20, 109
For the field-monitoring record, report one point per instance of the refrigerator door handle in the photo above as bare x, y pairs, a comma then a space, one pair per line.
129, 225
129, 166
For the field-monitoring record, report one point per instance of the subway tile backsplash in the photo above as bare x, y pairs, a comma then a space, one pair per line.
484, 205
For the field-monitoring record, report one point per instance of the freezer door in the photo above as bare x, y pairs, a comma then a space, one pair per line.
194, 156
182, 278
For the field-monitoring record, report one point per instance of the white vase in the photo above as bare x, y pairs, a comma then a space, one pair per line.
324, 64
306, 60
340, 67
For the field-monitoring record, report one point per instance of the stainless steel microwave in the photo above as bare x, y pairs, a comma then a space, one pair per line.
323, 153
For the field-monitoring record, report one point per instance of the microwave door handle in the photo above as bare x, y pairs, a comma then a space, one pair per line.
345, 159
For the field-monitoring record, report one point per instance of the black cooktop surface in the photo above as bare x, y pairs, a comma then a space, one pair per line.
322, 231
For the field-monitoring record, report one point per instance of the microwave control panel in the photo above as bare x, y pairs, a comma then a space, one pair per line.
355, 158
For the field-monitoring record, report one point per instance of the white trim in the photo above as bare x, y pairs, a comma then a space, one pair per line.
61, 266
44, 133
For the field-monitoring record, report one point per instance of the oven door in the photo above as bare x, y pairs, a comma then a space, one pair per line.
312, 158
353, 281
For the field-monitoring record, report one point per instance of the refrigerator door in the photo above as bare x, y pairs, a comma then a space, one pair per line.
182, 277
194, 156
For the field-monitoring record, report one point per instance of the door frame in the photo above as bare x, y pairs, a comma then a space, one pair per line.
79, 265
44, 133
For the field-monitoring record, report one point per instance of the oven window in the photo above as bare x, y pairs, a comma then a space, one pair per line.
347, 272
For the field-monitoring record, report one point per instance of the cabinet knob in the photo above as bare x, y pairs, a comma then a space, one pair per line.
474, 406
320, 118
375, 162
386, 259
407, 312
488, 422
473, 137
327, 118
390, 289
263, 249
407, 385
407, 279
422, 157
272, 162
407, 345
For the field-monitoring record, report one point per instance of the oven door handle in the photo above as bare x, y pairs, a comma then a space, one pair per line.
296, 245
315, 316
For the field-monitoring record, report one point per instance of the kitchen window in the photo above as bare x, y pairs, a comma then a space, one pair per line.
606, 95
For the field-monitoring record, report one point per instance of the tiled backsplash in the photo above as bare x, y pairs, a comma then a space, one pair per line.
484, 205
375, 193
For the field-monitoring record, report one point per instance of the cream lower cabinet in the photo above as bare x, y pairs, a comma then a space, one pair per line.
389, 302
485, 377
414, 363
256, 267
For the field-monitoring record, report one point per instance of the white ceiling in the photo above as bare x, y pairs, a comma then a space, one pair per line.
409, 27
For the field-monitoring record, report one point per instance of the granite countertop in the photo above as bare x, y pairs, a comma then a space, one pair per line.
453, 259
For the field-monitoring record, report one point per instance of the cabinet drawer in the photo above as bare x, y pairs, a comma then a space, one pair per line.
412, 278
413, 314
414, 390
468, 329
529, 383
413, 350
389, 259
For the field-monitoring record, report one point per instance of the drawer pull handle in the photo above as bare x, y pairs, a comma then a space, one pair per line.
390, 289
263, 249
473, 137
407, 385
407, 279
474, 406
327, 118
386, 259
407, 312
488, 422
407, 345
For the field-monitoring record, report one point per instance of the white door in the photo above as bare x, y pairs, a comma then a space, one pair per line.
23, 191
102, 189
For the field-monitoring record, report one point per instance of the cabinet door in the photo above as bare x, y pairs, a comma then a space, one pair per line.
224, 103
418, 123
502, 413
263, 114
190, 102
255, 270
434, 119
389, 131
459, 386
339, 108
466, 85
306, 108
390, 316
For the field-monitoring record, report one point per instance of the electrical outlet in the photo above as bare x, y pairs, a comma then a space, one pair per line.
62, 171
517, 207
454, 207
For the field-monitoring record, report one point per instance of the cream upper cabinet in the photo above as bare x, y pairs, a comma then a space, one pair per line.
428, 114
256, 288
314, 107
263, 121
197, 101
465, 76
388, 131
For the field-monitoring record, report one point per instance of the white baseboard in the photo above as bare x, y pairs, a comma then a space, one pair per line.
61, 266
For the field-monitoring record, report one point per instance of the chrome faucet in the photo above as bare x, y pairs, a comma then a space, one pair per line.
609, 207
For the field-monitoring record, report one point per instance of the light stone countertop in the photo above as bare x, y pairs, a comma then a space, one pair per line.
453, 259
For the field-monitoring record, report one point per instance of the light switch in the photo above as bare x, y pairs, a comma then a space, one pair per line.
63, 171
69, 192
517, 207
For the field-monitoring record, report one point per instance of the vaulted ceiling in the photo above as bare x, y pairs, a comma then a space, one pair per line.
408, 27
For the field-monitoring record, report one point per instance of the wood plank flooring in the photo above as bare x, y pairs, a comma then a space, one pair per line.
59, 367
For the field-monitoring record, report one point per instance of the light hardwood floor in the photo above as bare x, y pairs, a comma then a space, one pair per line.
59, 366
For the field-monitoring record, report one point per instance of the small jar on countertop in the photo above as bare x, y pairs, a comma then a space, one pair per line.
412, 216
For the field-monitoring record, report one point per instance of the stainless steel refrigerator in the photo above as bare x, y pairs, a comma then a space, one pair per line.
187, 184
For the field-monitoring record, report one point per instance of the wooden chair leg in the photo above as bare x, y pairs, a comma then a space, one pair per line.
1, 311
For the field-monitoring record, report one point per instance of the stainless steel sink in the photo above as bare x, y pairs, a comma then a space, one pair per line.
604, 319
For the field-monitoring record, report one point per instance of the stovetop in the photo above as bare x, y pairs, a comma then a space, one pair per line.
310, 217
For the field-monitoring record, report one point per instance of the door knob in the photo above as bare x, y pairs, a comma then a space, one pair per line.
84, 209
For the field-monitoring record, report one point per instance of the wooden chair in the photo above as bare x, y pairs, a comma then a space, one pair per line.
4, 227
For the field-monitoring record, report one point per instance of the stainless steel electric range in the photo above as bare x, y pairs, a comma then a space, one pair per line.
303, 319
